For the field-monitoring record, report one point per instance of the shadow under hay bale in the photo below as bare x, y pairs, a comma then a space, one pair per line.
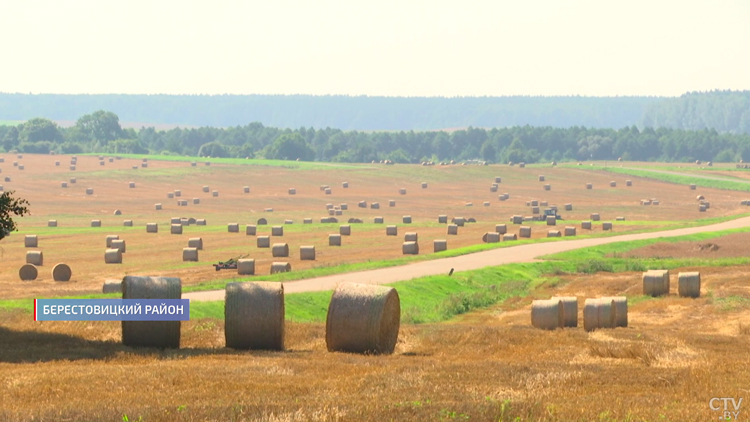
363, 318
161, 334
254, 316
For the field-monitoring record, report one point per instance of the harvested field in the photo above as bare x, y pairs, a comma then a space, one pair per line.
729, 246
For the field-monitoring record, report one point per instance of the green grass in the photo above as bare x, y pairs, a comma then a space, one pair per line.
680, 179
296, 165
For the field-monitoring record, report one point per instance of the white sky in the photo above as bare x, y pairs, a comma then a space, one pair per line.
378, 47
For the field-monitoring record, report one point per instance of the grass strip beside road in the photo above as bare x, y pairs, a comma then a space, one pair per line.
679, 179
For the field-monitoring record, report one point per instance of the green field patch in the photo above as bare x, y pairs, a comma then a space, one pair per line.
680, 179
295, 165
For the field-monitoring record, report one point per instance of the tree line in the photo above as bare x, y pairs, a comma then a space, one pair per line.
100, 132
725, 111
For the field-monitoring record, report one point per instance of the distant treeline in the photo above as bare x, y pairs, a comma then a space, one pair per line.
725, 111
343, 112
101, 132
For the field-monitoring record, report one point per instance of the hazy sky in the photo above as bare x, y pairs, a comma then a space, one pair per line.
378, 47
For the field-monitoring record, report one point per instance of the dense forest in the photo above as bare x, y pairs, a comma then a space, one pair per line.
725, 111
343, 112
101, 132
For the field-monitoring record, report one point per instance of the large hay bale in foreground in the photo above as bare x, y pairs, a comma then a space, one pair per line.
28, 272
547, 314
254, 316
161, 334
280, 267
263, 241
689, 284
61, 272
152, 228
280, 250
598, 313
440, 245
363, 318
620, 304
190, 254
656, 282
195, 242
30, 241
176, 229
113, 256
570, 310
524, 231
233, 227
411, 237
307, 253
35, 258
246, 267
410, 248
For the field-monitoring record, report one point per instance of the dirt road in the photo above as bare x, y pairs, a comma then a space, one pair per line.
522, 253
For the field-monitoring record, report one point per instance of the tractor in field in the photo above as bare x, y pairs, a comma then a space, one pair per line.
230, 264
549, 212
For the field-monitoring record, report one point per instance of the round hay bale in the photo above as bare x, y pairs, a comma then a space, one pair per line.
280, 267
96, 223
589, 186
127, 223
28, 272
655, 282
35, 258
110, 238
363, 318
118, 212
131, 184
402, 191
355, 220
178, 193
345, 184
334, 240
442, 219
378, 220
391, 203
553, 233
491, 237
30, 241
459, 221
200, 221
215, 193
693, 186
263, 241
391, 231
586, 225
595, 217
113, 256
344, 207
547, 314
598, 313
190, 254
246, 267
161, 334
452, 229
621, 310
498, 179
613, 184
501, 228
176, 229
196, 201
360, 204
307, 221
493, 188
112, 286
328, 191
524, 231
246, 189
551, 220
57, 164
206, 189
410, 248
64, 184
541, 178
407, 219
607, 225
440, 245
307, 253
72, 168
251, 229
570, 231
277, 231
195, 242
628, 183
152, 228
568, 207
233, 227
61, 272
375, 206
207, 163
262, 222
619, 218
535, 210
411, 237
288, 221
471, 220
194, 164
89, 191
570, 310
170, 195
517, 219
424, 185
254, 316
486, 204
689, 284
345, 230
